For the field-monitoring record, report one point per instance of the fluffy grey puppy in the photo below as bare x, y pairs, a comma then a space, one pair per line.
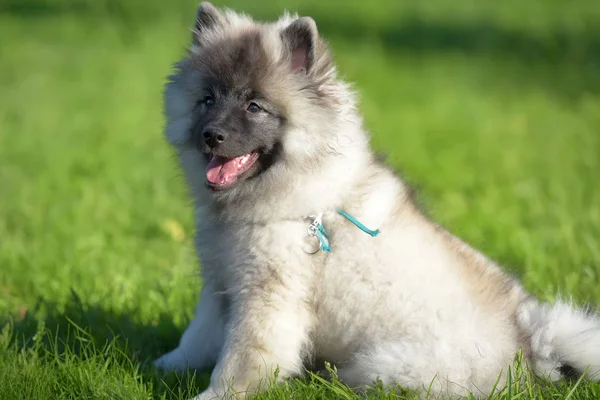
272, 146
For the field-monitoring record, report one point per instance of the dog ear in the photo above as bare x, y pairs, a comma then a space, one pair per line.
301, 38
207, 17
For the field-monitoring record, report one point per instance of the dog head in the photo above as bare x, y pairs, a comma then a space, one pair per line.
255, 104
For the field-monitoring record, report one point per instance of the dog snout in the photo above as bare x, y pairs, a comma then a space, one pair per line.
213, 137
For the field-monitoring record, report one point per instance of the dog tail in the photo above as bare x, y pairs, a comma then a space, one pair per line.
563, 341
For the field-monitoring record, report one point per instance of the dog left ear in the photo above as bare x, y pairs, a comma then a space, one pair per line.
301, 39
207, 17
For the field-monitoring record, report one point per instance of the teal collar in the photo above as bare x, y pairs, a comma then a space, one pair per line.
316, 229
357, 223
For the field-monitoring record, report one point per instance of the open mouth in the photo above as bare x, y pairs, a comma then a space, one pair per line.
222, 172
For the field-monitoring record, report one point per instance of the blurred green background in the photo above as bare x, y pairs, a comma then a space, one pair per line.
492, 108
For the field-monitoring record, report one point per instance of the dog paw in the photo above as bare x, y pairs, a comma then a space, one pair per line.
172, 361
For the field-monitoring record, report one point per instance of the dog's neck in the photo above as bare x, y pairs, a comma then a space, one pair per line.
300, 197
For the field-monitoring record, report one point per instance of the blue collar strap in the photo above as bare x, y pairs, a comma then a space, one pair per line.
357, 223
323, 238
318, 230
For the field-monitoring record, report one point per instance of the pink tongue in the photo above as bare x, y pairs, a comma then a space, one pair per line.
221, 170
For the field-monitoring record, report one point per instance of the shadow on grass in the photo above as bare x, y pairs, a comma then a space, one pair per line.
408, 32
87, 331
559, 61
411, 33
564, 62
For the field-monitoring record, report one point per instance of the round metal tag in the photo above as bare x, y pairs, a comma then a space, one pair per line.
311, 245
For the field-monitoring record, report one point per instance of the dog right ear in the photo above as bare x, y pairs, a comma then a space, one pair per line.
207, 17
301, 38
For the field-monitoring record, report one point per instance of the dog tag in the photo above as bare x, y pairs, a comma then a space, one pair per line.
311, 245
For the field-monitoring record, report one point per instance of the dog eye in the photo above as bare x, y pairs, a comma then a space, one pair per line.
208, 100
254, 108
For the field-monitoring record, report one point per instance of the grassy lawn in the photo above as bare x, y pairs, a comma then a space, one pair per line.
491, 108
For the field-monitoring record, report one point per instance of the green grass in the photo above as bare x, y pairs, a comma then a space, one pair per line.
492, 108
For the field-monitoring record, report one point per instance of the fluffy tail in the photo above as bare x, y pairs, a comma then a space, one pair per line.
563, 340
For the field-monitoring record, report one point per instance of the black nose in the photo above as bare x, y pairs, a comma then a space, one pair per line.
212, 137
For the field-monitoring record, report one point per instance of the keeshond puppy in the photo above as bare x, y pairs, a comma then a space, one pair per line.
312, 250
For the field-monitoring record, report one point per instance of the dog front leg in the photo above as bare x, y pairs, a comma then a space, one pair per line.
268, 331
202, 340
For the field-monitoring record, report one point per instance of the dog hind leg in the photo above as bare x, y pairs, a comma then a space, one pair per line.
431, 367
